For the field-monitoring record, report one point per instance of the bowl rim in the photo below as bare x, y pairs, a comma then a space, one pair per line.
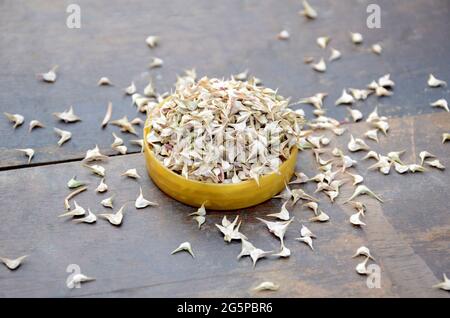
147, 150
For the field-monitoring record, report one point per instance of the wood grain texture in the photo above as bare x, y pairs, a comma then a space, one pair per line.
408, 234
218, 39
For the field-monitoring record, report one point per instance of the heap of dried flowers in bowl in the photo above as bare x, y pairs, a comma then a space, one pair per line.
226, 143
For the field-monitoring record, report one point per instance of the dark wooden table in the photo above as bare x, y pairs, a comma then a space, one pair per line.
409, 234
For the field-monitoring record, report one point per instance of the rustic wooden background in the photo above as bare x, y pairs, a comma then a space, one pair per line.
409, 234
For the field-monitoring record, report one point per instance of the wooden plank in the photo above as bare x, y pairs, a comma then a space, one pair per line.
218, 40
408, 238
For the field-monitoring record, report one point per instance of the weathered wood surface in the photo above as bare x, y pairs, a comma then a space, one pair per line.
409, 234
218, 39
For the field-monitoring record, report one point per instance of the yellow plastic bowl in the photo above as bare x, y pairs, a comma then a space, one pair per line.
217, 196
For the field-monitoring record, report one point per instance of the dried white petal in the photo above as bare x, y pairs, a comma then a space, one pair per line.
63, 134
108, 202
102, 187
321, 217
121, 149
339, 131
442, 103
362, 190
357, 179
357, 38
424, 155
363, 251
360, 94
284, 252
67, 116
104, 81
308, 11
283, 35
90, 218
435, 163
304, 231
283, 214
28, 152
131, 173
50, 76
385, 81
200, 220
371, 154
381, 91
17, 119
434, 82
242, 76
264, 286
74, 183
400, 168
307, 240
124, 125
376, 48
141, 202
325, 141
323, 41
117, 141
355, 219
149, 90
321, 66
356, 114
373, 116
382, 125
74, 280
298, 194
347, 162
356, 144
156, 62
139, 142
130, 90
313, 206
13, 264
152, 41
335, 55
345, 98
277, 228
230, 230
114, 218
136, 121
108, 114
316, 100
445, 285
300, 178
96, 169
445, 137
35, 124
257, 254
383, 165
185, 246
94, 154
77, 211
246, 249
372, 134
395, 155
416, 168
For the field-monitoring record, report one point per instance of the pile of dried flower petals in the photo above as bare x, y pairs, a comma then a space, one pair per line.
223, 131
